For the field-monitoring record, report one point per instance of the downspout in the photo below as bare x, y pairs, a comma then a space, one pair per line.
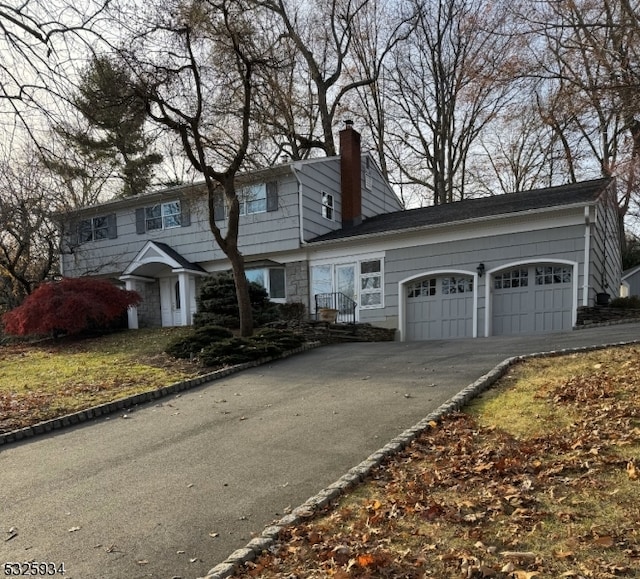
294, 170
587, 256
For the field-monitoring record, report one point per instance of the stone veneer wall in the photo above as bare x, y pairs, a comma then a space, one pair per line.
297, 276
149, 315
600, 315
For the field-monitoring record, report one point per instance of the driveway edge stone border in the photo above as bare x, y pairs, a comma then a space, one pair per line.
357, 474
125, 404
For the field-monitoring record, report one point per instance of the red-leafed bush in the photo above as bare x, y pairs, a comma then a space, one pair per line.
69, 306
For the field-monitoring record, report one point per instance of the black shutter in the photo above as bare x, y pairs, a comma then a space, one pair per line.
272, 196
218, 208
112, 228
185, 211
140, 221
74, 234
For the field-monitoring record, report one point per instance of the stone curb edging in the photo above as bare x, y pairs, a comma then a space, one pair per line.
126, 403
357, 474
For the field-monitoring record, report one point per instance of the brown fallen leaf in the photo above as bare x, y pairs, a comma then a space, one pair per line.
564, 554
525, 574
606, 541
631, 470
519, 555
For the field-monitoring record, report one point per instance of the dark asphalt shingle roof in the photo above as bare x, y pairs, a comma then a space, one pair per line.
571, 194
179, 258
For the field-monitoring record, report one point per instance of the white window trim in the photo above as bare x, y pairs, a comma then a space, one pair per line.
242, 198
379, 290
163, 216
355, 260
267, 280
91, 222
327, 201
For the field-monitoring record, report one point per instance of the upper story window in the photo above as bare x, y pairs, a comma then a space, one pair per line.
162, 216
327, 206
368, 181
253, 199
96, 228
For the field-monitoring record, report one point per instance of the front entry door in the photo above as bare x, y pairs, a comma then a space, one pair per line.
170, 305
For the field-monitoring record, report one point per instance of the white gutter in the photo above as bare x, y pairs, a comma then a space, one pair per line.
587, 255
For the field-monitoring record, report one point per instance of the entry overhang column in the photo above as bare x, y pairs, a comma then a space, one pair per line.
184, 283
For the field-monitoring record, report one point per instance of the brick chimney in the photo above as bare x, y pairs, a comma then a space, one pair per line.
350, 176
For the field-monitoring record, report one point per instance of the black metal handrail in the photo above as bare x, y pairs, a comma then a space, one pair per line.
345, 306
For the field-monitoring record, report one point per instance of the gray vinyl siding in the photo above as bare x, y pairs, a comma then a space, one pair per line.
605, 251
316, 178
380, 198
272, 231
111, 256
260, 233
565, 243
473, 245
634, 283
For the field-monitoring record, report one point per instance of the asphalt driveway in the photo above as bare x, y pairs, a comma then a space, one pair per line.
171, 489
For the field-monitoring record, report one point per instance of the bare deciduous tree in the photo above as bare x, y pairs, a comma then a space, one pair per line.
320, 55
196, 66
450, 80
588, 64
28, 235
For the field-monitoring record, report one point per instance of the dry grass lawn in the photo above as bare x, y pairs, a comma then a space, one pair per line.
538, 478
50, 379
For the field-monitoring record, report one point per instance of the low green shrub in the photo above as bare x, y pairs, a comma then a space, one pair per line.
292, 311
191, 345
629, 303
264, 344
284, 339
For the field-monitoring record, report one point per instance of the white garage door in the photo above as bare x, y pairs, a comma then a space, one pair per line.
532, 299
440, 307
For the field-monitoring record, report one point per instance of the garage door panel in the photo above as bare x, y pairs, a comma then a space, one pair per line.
532, 299
437, 313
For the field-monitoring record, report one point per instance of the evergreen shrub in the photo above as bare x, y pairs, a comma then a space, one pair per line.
189, 346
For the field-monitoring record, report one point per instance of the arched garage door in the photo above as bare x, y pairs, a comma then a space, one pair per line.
440, 307
532, 299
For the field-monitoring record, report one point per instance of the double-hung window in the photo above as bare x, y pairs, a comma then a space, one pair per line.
253, 199
163, 216
96, 228
272, 279
371, 283
327, 206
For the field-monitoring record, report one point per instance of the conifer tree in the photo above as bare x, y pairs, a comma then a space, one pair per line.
115, 115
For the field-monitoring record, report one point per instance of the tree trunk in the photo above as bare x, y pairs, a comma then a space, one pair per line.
242, 293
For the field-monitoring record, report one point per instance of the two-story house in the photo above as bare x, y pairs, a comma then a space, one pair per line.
516, 263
